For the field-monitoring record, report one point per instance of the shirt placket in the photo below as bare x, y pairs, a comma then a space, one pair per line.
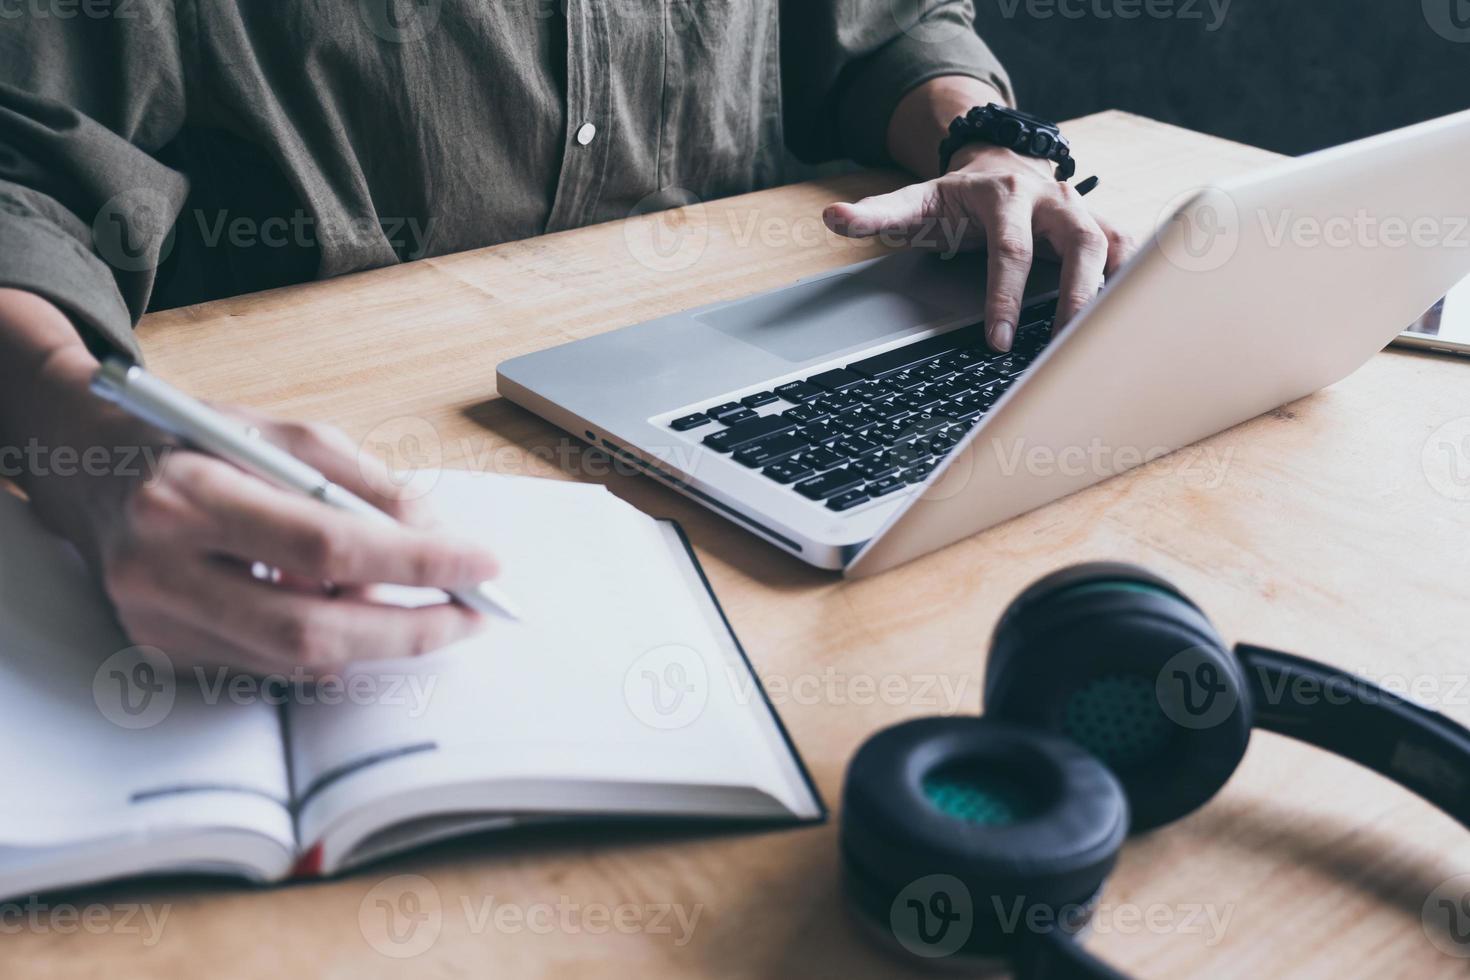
590, 127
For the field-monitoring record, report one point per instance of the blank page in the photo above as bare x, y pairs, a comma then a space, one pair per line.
101, 742
615, 675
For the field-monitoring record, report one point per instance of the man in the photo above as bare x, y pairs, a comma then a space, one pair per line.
134, 132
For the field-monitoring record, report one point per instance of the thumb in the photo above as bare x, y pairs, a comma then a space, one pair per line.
899, 210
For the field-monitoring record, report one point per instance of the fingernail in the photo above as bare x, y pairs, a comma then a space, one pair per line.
1001, 334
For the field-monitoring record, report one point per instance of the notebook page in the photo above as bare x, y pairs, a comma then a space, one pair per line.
613, 674
102, 742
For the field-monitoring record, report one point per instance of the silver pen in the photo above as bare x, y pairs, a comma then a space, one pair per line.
141, 394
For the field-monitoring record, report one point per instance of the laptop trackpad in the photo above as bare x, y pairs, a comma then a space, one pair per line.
814, 319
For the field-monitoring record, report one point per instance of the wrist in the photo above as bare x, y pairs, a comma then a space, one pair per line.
923, 116
76, 457
987, 158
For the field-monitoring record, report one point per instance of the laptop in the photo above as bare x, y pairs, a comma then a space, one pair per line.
857, 420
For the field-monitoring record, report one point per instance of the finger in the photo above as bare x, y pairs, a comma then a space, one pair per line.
190, 646
250, 520
901, 211
1009, 253
1121, 248
340, 460
1083, 249
272, 629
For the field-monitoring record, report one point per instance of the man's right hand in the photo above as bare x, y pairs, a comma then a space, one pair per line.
175, 547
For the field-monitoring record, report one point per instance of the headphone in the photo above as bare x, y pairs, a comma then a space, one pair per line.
1112, 706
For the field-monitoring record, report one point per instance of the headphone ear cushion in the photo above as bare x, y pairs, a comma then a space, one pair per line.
1018, 620
1022, 820
1122, 662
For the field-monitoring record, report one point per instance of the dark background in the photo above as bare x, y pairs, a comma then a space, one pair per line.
1287, 75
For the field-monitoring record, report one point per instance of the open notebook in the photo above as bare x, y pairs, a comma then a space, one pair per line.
622, 692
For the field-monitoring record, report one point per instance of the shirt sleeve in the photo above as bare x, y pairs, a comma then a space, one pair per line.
85, 209
846, 64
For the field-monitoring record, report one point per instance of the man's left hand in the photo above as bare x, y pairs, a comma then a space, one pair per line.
1011, 206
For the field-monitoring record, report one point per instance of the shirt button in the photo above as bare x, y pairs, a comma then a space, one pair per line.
586, 134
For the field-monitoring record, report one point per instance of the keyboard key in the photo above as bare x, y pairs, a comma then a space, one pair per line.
854, 446
958, 385
804, 413
943, 442
788, 471
719, 412
888, 409
688, 422
798, 391
1043, 312
758, 399
903, 379
849, 500
912, 453
924, 422
821, 433
744, 415
868, 390
857, 419
966, 407
829, 484
932, 372
885, 486
893, 361
822, 458
1006, 367
961, 359
837, 403
918, 474
876, 465
916, 400
888, 432
771, 449
835, 379
748, 431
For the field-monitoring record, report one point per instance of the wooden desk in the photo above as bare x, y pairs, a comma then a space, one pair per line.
1322, 535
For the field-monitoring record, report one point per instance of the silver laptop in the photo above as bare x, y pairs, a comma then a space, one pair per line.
857, 420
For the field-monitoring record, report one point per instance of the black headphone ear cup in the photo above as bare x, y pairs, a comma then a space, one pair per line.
1120, 661
1012, 820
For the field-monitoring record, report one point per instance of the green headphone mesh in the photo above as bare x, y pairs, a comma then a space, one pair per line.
1117, 717
965, 793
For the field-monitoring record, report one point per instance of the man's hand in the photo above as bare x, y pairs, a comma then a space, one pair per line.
1009, 205
174, 545
181, 556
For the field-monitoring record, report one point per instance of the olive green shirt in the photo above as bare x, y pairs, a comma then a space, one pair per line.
160, 152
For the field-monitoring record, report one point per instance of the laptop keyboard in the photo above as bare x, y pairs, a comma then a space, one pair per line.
844, 437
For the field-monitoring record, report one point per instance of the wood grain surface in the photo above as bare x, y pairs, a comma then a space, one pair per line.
1335, 527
